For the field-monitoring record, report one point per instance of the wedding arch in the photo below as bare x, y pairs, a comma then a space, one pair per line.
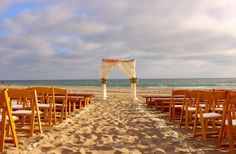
126, 66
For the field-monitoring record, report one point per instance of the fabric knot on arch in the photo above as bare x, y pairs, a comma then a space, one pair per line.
126, 66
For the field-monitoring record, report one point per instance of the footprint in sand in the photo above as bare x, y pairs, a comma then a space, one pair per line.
46, 149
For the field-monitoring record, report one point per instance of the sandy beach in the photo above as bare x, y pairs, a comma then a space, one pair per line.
116, 125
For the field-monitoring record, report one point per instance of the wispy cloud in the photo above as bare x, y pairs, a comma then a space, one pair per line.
67, 39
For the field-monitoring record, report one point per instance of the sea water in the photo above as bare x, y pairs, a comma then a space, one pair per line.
149, 83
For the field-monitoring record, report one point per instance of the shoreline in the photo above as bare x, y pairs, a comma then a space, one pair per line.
181, 83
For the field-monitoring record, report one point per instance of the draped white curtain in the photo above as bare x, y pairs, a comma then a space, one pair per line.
127, 66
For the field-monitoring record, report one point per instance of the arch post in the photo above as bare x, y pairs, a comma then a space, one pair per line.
104, 88
133, 83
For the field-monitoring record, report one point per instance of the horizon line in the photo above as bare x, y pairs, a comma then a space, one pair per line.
122, 78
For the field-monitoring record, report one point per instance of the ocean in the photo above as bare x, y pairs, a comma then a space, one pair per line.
148, 83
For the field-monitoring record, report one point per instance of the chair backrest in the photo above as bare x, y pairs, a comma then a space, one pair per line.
45, 94
230, 103
5, 102
177, 92
42, 90
191, 97
219, 94
204, 97
178, 95
219, 97
27, 97
2, 99
231, 98
61, 92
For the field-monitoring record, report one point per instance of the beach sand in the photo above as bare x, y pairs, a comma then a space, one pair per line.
116, 125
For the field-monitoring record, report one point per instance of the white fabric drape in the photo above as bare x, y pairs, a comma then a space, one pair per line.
105, 69
127, 66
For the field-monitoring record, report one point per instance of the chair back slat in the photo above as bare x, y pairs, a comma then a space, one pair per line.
178, 92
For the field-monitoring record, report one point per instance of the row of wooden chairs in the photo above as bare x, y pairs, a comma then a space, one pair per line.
206, 110
209, 112
26, 110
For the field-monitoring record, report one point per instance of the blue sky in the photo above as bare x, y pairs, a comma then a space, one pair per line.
67, 39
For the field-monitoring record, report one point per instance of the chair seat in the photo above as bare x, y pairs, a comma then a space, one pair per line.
178, 106
191, 108
233, 122
13, 117
24, 112
202, 105
60, 105
14, 102
28, 112
218, 109
211, 115
17, 106
44, 105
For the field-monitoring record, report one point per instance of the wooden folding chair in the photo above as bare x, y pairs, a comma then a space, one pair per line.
46, 103
61, 97
228, 121
28, 98
177, 100
206, 115
6, 120
188, 108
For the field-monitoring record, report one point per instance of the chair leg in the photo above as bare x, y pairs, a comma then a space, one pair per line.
222, 129
23, 121
214, 124
62, 113
7, 129
55, 113
90, 100
80, 103
50, 116
170, 112
69, 107
45, 115
181, 118
186, 119
66, 110
195, 126
203, 128
3, 133
12, 128
74, 106
230, 136
174, 114
39, 121
32, 125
